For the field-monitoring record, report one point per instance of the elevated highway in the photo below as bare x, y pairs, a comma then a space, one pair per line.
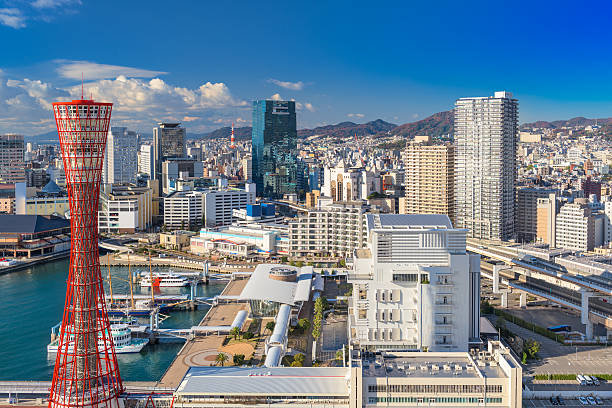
591, 296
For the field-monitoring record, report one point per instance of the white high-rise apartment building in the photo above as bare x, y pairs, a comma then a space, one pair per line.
333, 230
486, 139
415, 287
146, 160
120, 164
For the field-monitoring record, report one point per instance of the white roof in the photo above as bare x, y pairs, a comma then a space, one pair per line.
261, 287
289, 381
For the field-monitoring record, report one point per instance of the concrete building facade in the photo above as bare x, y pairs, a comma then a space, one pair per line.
415, 287
486, 139
429, 178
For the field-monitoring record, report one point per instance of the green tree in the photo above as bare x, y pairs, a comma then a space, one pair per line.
235, 331
339, 355
270, 326
248, 335
300, 357
238, 359
299, 264
221, 359
304, 324
284, 259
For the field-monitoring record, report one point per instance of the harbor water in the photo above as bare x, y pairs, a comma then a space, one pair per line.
32, 301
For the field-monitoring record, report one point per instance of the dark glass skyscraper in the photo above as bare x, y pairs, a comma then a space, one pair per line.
276, 167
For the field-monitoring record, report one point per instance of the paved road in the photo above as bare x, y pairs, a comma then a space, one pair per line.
568, 403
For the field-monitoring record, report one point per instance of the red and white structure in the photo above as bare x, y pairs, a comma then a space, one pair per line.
86, 373
232, 139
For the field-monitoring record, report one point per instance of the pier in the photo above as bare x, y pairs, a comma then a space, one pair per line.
203, 346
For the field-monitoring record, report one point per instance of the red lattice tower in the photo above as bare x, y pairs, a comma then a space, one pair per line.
86, 373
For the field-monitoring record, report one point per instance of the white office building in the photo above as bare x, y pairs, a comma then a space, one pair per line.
220, 204
183, 209
236, 241
486, 139
120, 164
575, 227
334, 230
145, 160
415, 287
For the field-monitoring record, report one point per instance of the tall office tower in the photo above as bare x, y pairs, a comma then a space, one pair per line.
429, 178
12, 166
86, 373
276, 167
486, 138
146, 160
414, 287
168, 142
121, 156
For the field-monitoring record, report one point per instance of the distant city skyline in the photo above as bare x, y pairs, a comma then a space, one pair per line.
338, 61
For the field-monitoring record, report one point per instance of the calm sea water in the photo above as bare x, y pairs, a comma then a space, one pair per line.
31, 302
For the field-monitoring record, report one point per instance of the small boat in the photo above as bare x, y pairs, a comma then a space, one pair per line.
122, 339
162, 279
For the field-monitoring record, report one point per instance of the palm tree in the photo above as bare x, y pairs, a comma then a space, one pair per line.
235, 331
221, 359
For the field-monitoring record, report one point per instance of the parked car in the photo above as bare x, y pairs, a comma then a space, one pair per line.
583, 401
598, 400
591, 400
553, 401
560, 400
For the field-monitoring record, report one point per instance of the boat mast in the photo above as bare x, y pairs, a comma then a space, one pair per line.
130, 280
110, 281
151, 278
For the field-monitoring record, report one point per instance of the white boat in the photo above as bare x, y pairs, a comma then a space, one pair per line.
122, 338
162, 279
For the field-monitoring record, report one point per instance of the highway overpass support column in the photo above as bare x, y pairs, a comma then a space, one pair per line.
496, 269
523, 300
584, 312
504, 299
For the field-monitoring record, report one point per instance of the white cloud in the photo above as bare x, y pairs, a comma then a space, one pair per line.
276, 97
12, 17
294, 86
415, 115
25, 104
355, 115
93, 71
40, 4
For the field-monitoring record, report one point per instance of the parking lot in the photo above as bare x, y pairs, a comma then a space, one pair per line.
568, 403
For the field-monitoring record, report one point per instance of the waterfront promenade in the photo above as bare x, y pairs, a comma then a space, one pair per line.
202, 351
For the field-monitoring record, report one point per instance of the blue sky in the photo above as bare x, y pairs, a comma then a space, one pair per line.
203, 62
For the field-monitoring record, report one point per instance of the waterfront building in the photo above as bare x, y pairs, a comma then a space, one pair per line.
125, 208
183, 209
486, 136
33, 235
178, 240
488, 377
236, 241
428, 178
277, 170
12, 166
333, 230
120, 162
414, 287
527, 211
168, 142
219, 205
